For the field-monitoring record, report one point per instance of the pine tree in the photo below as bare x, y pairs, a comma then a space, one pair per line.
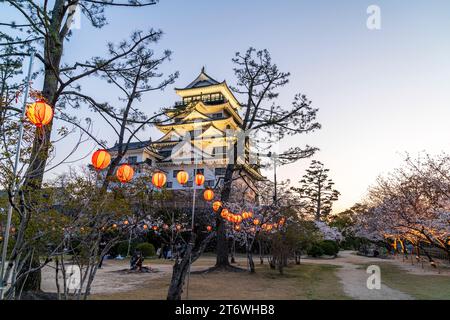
316, 191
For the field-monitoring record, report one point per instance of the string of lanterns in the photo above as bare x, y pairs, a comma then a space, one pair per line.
40, 114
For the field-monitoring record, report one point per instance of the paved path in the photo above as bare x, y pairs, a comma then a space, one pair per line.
354, 278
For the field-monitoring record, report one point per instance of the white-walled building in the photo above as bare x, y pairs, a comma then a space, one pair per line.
202, 126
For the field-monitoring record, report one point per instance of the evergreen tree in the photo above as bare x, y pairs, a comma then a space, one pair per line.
316, 191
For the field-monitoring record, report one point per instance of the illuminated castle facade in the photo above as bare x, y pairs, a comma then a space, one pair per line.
200, 130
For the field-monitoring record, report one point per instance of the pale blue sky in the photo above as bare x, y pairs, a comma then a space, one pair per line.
380, 93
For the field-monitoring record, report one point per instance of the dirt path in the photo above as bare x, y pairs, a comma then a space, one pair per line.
354, 278
111, 278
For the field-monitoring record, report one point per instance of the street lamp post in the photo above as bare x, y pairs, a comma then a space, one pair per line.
3, 281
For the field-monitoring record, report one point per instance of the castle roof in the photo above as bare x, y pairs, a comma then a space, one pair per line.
202, 80
204, 84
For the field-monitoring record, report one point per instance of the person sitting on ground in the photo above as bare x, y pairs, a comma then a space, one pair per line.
136, 261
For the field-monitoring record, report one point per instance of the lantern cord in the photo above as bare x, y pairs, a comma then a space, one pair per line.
13, 187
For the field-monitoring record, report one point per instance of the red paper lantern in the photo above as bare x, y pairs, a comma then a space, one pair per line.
101, 159
159, 180
125, 173
224, 213
216, 205
208, 195
182, 177
199, 179
209, 228
39, 113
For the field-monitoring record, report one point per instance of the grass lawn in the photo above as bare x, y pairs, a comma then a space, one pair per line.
299, 282
423, 287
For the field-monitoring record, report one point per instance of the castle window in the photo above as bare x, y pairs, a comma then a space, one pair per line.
220, 171
132, 160
169, 185
202, 171
219, 150
209, 183
175, 172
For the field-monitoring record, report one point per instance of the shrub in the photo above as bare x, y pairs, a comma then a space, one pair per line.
147, 249
122, 248
329, 247
315, 250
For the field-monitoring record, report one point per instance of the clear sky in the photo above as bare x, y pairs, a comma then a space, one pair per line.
380, 92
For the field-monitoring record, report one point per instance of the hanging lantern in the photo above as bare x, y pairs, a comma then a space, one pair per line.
216, 205
125, 173
256, 222
224, 213
252, 229
39, 113
209, 228
114, 226
155, 228
101, 159
159, 180
237, 227
126, 222
165, 227
208, 195
250, 214
182, 177
199, 179
178, 227
238, 218
145, 227
245, 215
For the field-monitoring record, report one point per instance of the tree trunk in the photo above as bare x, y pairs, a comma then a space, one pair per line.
233, 248
180, 268
251, 263
53, 50
297, 257
261, 258
179, 273
272, 263
222, 243
280, 263
30, 282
